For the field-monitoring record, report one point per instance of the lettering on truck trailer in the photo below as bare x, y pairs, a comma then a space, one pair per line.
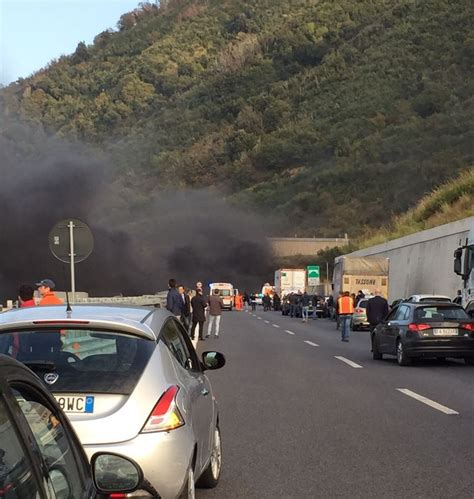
367, 282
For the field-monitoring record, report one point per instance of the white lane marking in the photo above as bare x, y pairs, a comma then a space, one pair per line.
348, 362
426, 401
259, 318
289, 332
275, 325
311, 343
267, 322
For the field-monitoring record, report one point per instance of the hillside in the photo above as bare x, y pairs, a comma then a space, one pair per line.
328, 116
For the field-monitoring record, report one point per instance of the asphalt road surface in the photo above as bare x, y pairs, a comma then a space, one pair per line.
306, 415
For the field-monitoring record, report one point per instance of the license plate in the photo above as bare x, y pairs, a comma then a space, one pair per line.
445, 332
76, 405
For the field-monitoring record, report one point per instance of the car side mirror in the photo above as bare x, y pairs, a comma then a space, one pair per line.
115, 474
213, 360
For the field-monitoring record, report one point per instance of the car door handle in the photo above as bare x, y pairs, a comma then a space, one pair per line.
204, 391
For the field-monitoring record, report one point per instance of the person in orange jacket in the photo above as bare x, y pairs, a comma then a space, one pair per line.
346, 309
238, 302
48, 296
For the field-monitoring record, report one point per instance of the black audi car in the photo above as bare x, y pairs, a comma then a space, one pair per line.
414, 330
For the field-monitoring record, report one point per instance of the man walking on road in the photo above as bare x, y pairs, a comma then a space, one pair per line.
377, 310
186, 308
174, 302
346, 309
305, 306
48, 296
215, 311
199, 305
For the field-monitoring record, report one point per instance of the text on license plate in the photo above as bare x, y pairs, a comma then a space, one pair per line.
445, 332
75, 404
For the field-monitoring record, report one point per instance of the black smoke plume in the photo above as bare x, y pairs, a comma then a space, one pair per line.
142, 236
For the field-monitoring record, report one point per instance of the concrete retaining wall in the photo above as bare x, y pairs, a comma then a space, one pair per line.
423, 262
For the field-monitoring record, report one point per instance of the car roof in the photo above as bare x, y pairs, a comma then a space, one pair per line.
133, 320
431, 304
430, 296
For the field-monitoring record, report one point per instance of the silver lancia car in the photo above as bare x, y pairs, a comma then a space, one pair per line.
131, 383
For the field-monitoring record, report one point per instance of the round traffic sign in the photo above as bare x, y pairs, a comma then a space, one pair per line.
60, 240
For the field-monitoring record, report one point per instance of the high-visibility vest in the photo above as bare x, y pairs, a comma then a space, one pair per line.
346, 305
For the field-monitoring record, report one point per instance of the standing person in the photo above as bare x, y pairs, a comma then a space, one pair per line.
199, 305
199, 286
314, 302
174, 302
246, 300
331, 306
338, 318
276, 302
25, 296
267, 302
458, 299
292, 299
305, 306
215, 311
253, 302
186, 308
354, 298
377, 310
48, 296
360, 295
346, 309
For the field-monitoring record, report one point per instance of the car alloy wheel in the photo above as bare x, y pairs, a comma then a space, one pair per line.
191, 487
402, 358
216, 455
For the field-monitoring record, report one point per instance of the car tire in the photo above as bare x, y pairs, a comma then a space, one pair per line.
376, 354
402, 358
210, 477
469, 361
189, 491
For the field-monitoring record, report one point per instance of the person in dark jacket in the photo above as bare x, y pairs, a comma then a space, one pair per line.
377, 309
174, 302
276, 302
199, 304
360, 296
186, 308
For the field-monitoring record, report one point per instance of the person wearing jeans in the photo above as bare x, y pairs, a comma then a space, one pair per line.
215, 310
346, 309
305, 300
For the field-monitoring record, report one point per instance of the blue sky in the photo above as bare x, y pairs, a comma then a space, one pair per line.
32, 32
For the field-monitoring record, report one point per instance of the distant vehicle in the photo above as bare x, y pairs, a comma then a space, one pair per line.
41, 456
131, 382
428, 298
290, 281
425, 330
268, 289
226, 291
360, 273
359, 317
464, 267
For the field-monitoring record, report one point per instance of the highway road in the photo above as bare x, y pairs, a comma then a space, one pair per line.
306, 415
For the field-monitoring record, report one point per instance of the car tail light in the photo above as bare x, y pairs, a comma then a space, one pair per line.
467, 327
418, 327
165, 415
359, 310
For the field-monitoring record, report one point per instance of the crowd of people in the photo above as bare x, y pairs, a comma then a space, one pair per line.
193, 308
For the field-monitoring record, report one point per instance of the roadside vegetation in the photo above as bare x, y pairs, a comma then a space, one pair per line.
329, 116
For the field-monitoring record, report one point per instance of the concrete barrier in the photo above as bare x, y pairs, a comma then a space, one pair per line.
423, 262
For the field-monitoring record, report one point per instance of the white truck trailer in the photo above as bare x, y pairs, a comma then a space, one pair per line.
360, 273
290, 281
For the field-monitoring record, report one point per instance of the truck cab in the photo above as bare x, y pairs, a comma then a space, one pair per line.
464, 267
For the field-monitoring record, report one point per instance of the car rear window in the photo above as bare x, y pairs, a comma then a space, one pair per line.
434, 313
362, 304
435, 299
84, 360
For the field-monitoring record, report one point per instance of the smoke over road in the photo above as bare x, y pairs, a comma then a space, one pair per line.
141, 239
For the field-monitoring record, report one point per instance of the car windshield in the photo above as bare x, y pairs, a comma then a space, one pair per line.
84, 360
435, 313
